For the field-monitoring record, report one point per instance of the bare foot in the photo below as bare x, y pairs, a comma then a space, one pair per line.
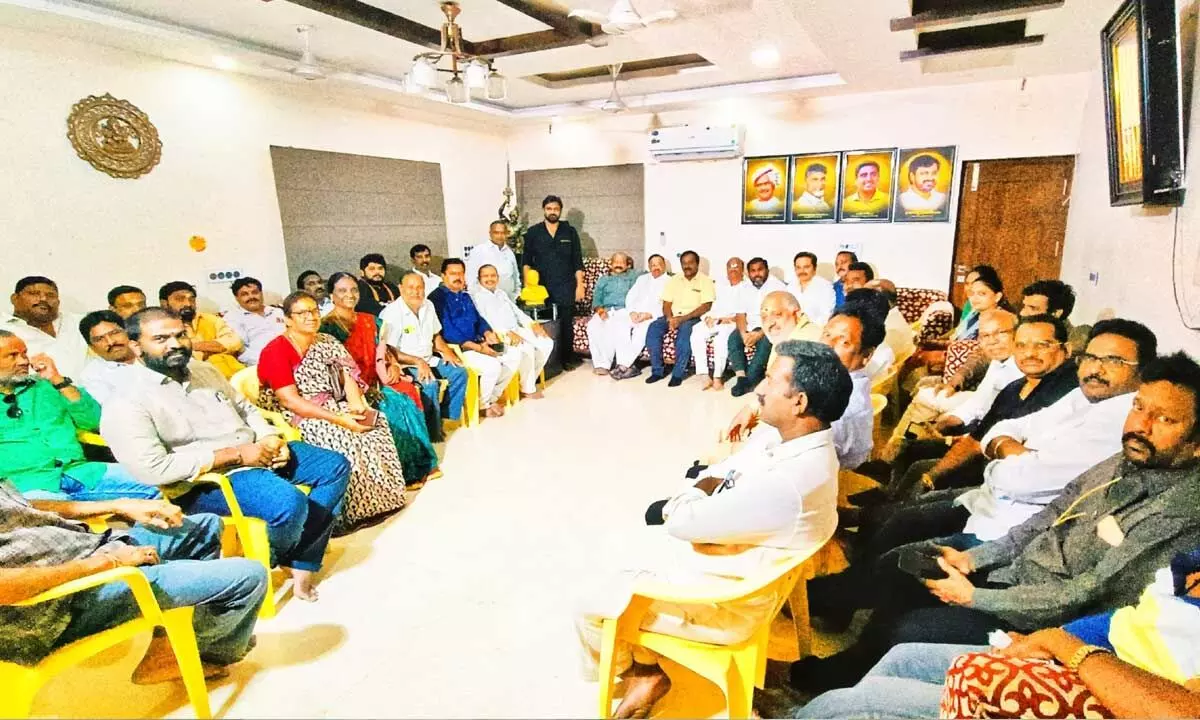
708, 382
600, 371
536, 395
718, 384
644, 686
304, 587
493, 411
159, 665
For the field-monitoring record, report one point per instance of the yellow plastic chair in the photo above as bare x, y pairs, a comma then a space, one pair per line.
735, 669
19, 684
470, 413
246, 382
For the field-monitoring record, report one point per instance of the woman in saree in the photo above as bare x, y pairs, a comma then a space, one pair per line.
985, 292
313, 380
380, 370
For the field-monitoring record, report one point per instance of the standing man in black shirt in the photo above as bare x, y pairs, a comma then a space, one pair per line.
552, 248
374, 293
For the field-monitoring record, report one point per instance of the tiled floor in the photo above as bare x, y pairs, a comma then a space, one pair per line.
461, 605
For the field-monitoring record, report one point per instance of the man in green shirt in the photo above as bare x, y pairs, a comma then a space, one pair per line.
39, 452
610, 318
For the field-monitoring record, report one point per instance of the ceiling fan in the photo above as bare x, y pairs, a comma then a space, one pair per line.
623, 18
614, 104
307, 68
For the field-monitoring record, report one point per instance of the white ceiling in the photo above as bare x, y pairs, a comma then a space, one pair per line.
825, 45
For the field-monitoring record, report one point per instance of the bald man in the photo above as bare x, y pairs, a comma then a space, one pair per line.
610, 323
782, 319
719, 323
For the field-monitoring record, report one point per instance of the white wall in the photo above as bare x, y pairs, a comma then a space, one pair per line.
697, 204
1130, 247
62, 218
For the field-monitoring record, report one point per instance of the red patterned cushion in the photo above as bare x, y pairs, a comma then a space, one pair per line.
579, 331
957, 354
913, 301
983, 685
593, 268
936, 325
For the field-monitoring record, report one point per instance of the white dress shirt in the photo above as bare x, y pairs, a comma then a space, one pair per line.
754, 300
66, 347
255, 330
818, 299
853, 432
731, 299
779, 497
999, 375
646, 294
432, 280
411, 333
103, 378
881, 360
899, 334
500, 257
499, 310
1063, 440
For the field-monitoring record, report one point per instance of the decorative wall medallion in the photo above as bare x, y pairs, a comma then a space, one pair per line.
114, 136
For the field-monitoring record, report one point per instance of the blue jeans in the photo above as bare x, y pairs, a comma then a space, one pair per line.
115, 483
456, 391
683, 346
906, 683
225, 592
297, 525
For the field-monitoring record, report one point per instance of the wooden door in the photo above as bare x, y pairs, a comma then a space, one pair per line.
1012, 215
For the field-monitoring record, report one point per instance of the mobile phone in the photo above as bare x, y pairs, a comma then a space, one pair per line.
922, 564
498, 347
370, 415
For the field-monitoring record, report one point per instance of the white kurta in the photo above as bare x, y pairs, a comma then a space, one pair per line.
499, 310
730, 301
818, 299
501, 258
66, 347
620, 338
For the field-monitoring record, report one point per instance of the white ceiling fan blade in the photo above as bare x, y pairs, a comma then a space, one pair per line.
589, 15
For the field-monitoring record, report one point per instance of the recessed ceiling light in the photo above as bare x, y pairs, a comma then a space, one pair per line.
765, 57
224, 62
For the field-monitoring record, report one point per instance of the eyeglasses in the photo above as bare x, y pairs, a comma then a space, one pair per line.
1108, 362
14, 411
315, 313
1039, 346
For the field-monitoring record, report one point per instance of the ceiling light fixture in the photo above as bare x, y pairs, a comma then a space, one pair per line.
467, 72
766, 56
224, 62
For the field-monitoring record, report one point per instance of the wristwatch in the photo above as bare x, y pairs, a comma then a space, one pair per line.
1083, 653
66, 381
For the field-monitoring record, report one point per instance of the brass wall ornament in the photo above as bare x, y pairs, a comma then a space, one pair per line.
114, 136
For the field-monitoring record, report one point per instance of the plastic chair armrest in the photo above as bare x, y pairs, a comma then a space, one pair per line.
289, 431
457, 351
221, 481
87, 437
137, 582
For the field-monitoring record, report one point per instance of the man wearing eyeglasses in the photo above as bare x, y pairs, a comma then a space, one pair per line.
1093, 548
42, 412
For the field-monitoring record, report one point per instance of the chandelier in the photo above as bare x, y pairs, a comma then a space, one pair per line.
467, 72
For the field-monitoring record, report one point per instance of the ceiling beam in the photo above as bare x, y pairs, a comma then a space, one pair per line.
972, 12
552, 16
923, 53
527, 43
373, 18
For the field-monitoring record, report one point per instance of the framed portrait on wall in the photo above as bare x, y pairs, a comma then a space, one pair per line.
924, 177
764, 189
1123, 103
813, 192
867, 183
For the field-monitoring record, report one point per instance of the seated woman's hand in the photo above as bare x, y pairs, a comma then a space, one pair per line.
352, 422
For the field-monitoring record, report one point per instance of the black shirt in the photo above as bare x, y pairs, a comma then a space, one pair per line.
373, 295
1009, 405
556, 258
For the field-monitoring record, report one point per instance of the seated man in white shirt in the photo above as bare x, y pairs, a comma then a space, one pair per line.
500, 256
104, 331
762, 506
644, 303
719, 323
46, 331
523, 336
255, 322
815, 293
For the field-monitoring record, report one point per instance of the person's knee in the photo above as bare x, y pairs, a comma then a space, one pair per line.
244, 578
203, 533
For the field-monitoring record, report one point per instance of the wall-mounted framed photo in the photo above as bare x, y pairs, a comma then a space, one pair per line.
866, 185
764, 189
813, 194
924, 180
1123, 103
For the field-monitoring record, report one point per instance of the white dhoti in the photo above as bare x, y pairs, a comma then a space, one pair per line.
532, 356
631, 342
602, 336
494, 373
719, 335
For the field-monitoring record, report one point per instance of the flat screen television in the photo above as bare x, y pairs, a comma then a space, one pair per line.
1144, 104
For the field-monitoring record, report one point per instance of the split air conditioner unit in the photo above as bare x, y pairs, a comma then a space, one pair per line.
696, 142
